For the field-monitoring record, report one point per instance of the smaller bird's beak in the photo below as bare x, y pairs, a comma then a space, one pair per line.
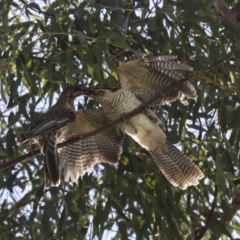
82, 91
78, 92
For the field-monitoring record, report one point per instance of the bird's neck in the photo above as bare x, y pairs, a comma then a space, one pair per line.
71, 104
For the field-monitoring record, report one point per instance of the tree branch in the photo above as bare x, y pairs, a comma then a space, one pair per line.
227, 13
131, 114
22, 202
209, 217
232, 17
235, 206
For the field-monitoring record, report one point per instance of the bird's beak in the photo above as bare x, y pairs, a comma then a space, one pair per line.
78, 92
81, 92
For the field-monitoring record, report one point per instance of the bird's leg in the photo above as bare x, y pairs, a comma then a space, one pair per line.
150, 114
80, 136
30, 147
125, 119
144, 106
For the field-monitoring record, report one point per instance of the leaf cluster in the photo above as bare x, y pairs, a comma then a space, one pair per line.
48, 46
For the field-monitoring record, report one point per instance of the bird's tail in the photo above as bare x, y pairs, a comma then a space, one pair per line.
188, 167
179, 170
51, 169
51, 161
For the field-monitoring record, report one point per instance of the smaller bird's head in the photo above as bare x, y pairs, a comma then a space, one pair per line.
68, 96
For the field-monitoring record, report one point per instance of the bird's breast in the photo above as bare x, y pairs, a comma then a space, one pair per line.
117, 103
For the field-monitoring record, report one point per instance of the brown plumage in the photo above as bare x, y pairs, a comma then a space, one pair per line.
144, 129
148, 76
78, 158
46, 129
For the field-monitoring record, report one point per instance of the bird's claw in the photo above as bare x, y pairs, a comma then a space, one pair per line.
125, 117
30, 148
144, 106
79, 135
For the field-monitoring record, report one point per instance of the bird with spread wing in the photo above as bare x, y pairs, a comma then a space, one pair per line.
144, 129
141, 79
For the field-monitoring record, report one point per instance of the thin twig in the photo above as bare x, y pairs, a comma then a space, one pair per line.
22, 202
237, 181
227, 13
227, 218
209, 217
131, 114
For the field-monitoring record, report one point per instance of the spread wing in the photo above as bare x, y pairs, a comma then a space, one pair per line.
148, 76
78, 158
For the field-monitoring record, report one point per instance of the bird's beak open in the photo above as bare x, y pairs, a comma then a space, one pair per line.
78, 92
81, 91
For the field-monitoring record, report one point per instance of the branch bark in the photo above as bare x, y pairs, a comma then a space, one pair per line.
131, 114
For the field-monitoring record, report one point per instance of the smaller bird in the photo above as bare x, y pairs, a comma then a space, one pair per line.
150, 76
78, 158
48, 127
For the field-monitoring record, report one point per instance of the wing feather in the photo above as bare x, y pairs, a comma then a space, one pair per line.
148, 76
78, 158
49, 123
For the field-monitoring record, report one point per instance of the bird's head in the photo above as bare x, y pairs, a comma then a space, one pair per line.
68, 96
70, 93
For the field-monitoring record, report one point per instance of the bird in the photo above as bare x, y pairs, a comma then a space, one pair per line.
144, 129
78, 158
47, 128
150, 76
